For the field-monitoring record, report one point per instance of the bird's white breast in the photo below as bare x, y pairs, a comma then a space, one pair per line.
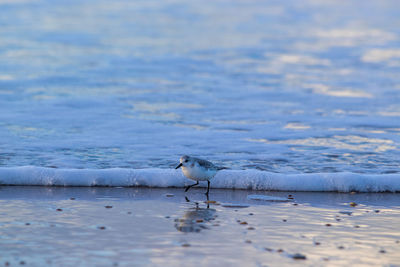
198, 173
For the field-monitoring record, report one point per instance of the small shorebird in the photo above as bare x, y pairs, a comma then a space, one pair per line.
198, 170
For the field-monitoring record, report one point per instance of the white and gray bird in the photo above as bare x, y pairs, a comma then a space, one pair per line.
198, 170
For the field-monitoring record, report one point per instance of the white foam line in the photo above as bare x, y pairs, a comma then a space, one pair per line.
231, 179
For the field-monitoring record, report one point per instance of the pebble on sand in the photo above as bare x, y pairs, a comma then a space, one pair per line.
298, 256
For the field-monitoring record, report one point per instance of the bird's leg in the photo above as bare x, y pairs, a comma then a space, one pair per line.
188, 187
208, 187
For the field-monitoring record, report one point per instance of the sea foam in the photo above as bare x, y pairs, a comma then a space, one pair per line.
228, 179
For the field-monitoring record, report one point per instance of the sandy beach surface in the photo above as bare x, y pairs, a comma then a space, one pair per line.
97, 226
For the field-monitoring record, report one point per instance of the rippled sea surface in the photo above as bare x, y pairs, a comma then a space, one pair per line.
281, 86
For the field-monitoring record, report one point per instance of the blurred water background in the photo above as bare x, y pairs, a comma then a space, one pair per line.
280, 86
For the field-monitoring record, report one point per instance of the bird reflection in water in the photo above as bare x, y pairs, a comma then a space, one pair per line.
195, 218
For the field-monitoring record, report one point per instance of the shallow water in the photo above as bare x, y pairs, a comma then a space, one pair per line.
280, 86
158, 227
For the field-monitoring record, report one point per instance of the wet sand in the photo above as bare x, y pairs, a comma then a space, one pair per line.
82, 226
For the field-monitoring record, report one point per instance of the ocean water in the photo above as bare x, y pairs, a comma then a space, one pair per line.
279, 87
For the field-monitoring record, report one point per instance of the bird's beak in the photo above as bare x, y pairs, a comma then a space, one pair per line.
180, 165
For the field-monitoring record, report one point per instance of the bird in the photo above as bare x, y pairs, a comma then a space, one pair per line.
198, 170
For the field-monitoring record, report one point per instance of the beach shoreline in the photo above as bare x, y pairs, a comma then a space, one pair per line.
116, 226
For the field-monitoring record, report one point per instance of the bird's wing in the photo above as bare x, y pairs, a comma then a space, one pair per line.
206, 163
222, 168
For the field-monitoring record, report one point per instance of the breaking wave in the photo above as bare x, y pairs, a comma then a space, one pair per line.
229, 179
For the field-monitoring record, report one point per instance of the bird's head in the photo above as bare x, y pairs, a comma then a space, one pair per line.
184, 161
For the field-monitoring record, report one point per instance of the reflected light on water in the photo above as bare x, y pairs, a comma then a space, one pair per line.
6, 77
303, 60
349, 142
327, 90
381, 55
161, 111
356, 34
296, 126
